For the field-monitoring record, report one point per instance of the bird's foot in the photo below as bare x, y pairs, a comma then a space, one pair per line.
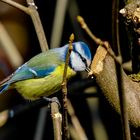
54, 99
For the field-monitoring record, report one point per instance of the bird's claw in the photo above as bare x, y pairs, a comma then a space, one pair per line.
54, 99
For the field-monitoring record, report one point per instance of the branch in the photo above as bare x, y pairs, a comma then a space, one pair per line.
57, 121
98, 41
64, 89
115, 27
38, 25
32, 11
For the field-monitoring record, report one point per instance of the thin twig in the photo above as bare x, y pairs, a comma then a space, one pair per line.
123, 104
32, 8
64, 89
73, 133
44, 47
4, 116
123, 107
78, 128
32, 11
115, 27
120, 81
57, 121
98, 41
38, 25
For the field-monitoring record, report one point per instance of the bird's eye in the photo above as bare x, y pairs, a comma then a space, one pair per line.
84, 60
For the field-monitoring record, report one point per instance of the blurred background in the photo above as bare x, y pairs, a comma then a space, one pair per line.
18, 43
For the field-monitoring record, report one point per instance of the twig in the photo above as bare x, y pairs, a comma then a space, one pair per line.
73, 133
78, 128
122, 98
88, 31
32, 11
32, 8
116, 45
120, 82
64, 89
4, 116
98, 41
57, 121
44, 47
115, 27
38, 25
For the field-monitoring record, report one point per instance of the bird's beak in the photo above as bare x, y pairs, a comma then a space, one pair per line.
90, 73
88, 69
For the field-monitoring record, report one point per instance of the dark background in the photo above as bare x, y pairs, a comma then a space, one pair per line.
98, 16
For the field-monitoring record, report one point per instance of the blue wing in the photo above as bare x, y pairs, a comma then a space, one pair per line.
25, 72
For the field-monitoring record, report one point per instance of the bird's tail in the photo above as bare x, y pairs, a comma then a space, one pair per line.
3, 88
4, 84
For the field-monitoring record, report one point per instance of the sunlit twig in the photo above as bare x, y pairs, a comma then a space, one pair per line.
32, 11
64, 89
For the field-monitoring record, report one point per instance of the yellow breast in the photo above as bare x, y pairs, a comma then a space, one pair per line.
35, 88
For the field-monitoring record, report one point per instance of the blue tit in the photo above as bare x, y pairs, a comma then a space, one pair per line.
42, 75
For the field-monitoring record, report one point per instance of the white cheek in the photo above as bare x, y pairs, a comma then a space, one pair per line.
76, 62
79, 48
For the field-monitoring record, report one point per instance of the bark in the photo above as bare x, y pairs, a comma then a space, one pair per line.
103, 68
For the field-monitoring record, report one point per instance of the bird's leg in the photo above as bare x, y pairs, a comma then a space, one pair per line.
54, 99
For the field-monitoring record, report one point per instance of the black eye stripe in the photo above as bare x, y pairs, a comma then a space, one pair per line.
82, 58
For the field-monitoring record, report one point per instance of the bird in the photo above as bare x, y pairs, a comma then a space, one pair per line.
42, 75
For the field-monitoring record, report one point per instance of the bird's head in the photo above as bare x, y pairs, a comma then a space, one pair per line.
80, 58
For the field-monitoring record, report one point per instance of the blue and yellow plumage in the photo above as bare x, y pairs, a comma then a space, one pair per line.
42, 75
